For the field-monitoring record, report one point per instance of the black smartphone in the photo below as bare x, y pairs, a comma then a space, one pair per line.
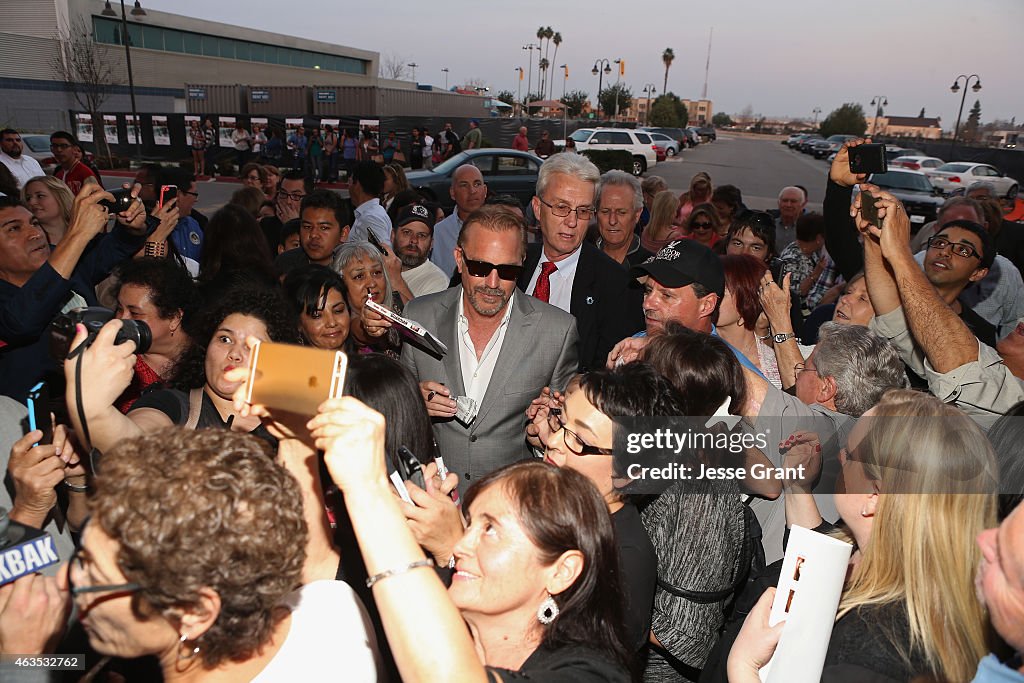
38, 403
409, 468
375, 241
868, 210
122, 200
868, 158
167, 193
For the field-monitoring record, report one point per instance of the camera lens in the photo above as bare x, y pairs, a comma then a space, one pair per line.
136, 331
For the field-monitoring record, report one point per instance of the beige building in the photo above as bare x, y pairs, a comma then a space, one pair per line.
905, 127
699, 111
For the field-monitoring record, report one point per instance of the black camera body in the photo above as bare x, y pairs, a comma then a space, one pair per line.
62, 330
123, 200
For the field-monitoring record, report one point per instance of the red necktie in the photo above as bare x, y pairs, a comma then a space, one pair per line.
543, 289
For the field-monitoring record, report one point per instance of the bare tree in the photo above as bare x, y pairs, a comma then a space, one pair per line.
85, 68
394, 67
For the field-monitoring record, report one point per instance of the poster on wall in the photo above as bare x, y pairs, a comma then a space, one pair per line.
290, 126
161, 133
372, 124
132, 128
224, 130
333, 123
110, 128
83, 127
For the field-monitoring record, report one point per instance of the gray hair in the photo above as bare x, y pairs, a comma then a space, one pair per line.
617, 178
348, 252
863, 365
793, 187
954, 202
575, 165
983, 185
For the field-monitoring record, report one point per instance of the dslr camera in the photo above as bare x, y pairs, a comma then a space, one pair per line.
62, 330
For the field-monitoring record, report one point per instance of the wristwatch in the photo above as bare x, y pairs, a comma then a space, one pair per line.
781, 338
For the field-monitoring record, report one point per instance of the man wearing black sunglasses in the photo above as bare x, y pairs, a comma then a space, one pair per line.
504, 348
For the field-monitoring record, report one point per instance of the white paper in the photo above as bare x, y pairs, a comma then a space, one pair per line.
110, 128
810, 585
84, 124
225, 127
161, 133
133, 128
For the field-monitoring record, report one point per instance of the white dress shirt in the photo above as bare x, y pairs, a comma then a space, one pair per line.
24, 168
476, 372
561, 280
370, 215
446, 234
425, 278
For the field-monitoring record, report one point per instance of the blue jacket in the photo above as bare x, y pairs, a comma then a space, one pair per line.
26, 311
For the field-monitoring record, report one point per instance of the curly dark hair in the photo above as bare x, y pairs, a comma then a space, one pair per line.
169, 283
263, 303
205, 509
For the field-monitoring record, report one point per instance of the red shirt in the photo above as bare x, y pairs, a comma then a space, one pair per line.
522, 143
75, 177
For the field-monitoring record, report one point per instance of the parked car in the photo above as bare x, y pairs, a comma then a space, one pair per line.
506, 171
917, 163
893, 152
804, 145
637, 143
666, 144
794, 138
957, 176
677, 134
830, 145
692, 136
920, 198
707, 134
38, 147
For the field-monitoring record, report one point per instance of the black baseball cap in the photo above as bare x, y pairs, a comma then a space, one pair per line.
684, 262
415, 213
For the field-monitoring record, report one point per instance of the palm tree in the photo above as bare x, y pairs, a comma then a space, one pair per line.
541, 33
557, 40
667, 56
544, 64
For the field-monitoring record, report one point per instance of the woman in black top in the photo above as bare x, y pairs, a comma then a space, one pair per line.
202, 393
577, 434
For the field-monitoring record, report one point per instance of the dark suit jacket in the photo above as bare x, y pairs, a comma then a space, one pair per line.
539, 350
606, 302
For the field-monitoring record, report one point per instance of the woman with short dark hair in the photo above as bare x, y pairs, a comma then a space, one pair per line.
319, 298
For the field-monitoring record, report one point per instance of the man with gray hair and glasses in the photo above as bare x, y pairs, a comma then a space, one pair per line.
847, 373
620, 201
572, 274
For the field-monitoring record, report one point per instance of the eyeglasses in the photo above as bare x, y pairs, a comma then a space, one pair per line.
572, 440
703, 225
800, 367
115, 589
959, 248
506, 271
583, 213
191, 194
294, 196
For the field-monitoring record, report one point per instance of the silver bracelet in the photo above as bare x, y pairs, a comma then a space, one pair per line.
400, 570
75, 487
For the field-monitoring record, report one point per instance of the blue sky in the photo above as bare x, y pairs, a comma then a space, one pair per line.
783, 58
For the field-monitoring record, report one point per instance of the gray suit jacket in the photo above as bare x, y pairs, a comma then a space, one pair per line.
539, 350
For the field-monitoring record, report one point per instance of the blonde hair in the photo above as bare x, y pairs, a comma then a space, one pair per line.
664, 208
60, 192
937, 480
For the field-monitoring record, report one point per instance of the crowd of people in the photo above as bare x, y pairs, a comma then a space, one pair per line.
203, 537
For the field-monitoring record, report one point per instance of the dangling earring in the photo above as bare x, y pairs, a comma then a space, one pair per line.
864, 511
183, 648
547, 611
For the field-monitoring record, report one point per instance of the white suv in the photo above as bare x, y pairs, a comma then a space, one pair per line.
636, 142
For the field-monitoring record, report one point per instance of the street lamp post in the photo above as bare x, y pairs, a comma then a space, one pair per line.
954, 89
648, 90
878, 101
445, 72
816, 111
137, 11
519, 92
413, 66
565, 80
599, 72
529, 73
